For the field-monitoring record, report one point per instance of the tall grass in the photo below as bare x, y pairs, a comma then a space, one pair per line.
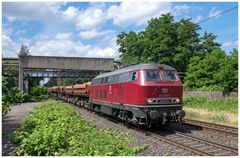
226, 104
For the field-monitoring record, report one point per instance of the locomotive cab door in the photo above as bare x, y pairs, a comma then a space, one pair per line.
121, 81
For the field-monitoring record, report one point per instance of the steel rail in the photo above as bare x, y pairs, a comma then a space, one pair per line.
212, 126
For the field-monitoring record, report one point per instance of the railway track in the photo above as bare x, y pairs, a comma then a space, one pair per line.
212, 126
189, 143
193, 144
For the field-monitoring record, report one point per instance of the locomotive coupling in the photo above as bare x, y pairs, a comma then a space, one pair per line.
180, 113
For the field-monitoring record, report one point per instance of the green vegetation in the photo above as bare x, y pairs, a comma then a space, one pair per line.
166, 41
214, 72
222, 111
11, 95
178, 44
57, 129
24, 51
38, 93
14, 96
226, 104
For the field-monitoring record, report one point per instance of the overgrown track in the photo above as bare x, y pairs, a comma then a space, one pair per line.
192, 144
213, 127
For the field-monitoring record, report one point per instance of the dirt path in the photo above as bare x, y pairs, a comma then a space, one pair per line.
11, 123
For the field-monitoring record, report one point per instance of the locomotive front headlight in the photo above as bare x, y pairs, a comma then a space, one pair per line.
177, 100
149, 101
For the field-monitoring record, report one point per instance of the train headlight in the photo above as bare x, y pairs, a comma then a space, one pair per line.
177, 100
149, 101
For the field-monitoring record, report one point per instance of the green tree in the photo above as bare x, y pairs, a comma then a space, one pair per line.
216, 70
165, 41
130, 47
24, 51
9, 77
207, 44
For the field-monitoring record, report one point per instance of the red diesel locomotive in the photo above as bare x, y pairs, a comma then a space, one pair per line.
142, 94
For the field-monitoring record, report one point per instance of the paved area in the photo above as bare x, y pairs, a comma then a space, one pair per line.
11, 123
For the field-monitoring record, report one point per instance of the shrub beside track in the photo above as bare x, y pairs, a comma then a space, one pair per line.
56, 129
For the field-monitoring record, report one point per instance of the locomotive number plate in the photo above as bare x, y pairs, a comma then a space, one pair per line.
164, 90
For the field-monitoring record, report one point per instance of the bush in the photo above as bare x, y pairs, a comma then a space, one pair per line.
211, 88
5, 105
11, 97
15, 96
56, 129
38, 91
195, 100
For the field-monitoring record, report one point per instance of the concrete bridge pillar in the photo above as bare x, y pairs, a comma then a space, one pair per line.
25, 84
20, 81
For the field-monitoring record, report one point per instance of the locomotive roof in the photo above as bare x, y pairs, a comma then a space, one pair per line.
136, 67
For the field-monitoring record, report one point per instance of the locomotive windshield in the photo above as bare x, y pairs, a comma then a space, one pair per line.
155, 75
152, 75
170, 75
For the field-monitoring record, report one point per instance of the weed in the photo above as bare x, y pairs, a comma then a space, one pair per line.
57, 129
225, 104
219, 118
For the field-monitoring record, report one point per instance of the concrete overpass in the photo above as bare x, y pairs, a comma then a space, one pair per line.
51, 66
10, 61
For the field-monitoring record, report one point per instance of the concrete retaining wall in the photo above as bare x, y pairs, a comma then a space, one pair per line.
213, 95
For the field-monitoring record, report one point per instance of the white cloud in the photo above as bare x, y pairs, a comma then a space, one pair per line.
67, 47
180, 9
198, 19
128, 13
63, 36
61, 45
31, 11
57, 47
90, 18
70, 12
98, 52
94, 33
9, 47
214, 12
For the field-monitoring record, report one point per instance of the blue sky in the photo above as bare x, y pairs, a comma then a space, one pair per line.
84, 29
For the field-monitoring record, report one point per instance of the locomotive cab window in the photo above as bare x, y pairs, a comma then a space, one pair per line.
170, 75
122, 78
152, 75
132, 76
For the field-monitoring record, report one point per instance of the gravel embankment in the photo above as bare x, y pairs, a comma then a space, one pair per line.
11, 123
156, 148
220, 138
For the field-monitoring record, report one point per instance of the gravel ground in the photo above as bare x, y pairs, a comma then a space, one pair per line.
11, 123
220, 138
156, 148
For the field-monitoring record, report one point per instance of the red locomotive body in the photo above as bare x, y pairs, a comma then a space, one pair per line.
142, 94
